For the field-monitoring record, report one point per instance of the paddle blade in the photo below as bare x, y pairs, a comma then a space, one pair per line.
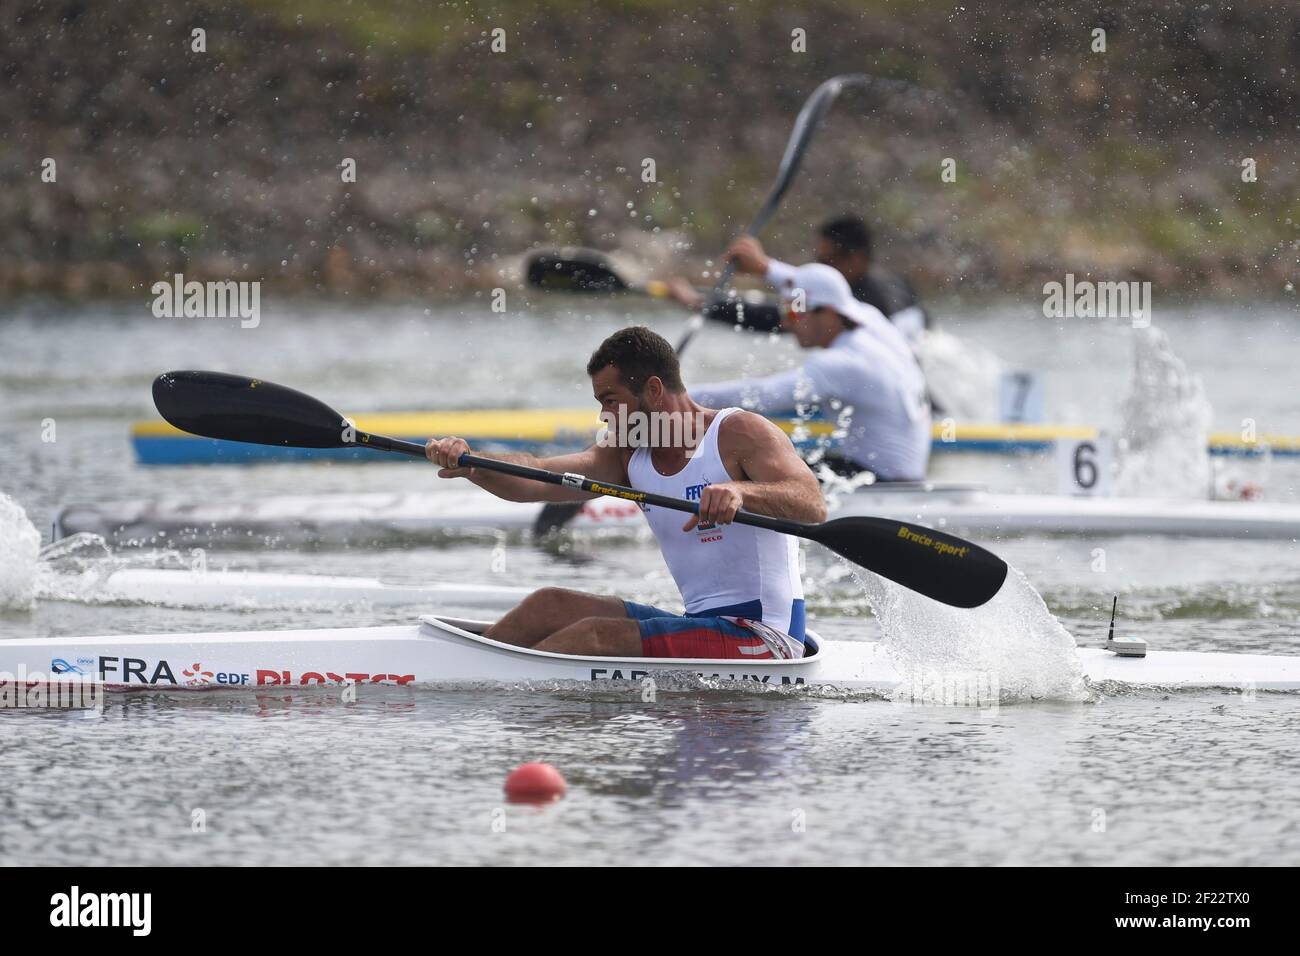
237, 408
940, 566
573, 270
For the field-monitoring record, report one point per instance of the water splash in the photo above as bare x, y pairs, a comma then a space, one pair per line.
1166, 422
1010, 650
20, 543
77, 553
962, 377
75, 568
836, 488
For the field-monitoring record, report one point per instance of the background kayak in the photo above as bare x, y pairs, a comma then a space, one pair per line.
553, 431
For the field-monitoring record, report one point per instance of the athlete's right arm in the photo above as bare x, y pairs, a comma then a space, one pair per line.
757, 316
601, 462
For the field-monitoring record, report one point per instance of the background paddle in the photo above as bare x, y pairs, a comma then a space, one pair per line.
234, 408
586, 270
583, 270
805, 124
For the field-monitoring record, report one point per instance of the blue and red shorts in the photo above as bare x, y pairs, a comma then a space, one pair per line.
665, 634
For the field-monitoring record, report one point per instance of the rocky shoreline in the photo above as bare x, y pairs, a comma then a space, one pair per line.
226, 164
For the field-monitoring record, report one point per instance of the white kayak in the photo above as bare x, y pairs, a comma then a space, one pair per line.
442, 650
377, 518
181, 588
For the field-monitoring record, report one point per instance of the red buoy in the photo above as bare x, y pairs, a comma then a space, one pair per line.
534, 783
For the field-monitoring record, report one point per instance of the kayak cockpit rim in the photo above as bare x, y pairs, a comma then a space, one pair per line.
471, 632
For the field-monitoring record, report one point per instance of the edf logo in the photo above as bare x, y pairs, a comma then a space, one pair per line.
693, 491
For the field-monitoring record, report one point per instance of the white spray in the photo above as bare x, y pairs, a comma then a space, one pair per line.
20, 544
1166, 422
1011, 645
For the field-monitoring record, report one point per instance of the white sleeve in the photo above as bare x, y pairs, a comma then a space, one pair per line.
832, 374
910, 321
862, 380
781, 392
778, 273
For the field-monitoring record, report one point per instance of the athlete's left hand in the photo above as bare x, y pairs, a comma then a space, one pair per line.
718, 505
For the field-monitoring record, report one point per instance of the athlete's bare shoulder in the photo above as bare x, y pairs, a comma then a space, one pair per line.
752, 447
742, 430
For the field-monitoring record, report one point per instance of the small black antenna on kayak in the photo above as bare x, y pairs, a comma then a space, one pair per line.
1124, 646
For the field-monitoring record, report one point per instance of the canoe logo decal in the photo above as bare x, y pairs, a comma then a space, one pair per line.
60, 666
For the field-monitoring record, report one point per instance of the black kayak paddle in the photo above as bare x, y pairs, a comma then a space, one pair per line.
235, 408
582, 270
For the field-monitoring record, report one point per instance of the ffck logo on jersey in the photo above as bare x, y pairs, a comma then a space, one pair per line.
74, 908
693, 492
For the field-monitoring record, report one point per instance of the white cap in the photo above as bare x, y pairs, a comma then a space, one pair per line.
823, 286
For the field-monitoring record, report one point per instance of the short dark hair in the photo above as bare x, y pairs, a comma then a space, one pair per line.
638, 354
847, 234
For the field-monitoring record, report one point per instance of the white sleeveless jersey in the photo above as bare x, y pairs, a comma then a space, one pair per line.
730, 570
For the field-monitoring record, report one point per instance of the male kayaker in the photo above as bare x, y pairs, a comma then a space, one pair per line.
740, 584
843, 244
862, 372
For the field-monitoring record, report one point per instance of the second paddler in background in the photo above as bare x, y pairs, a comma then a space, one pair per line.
861, 371
845, 245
